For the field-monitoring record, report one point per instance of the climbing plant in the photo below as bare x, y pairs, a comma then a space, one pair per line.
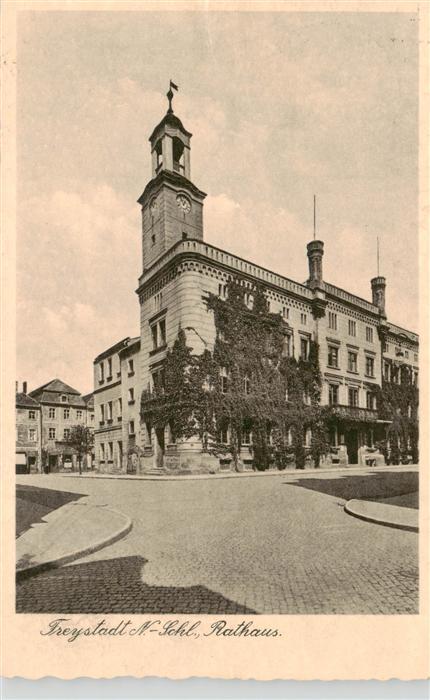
398, 403
248, 384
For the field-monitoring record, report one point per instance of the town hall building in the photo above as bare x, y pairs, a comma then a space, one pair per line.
359, 351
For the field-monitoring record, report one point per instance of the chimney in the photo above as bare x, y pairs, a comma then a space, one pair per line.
24, 387
378, 294
315, 256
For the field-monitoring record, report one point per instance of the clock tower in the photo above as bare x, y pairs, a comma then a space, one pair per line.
172, 207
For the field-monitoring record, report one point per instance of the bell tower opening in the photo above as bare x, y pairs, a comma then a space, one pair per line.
172, 206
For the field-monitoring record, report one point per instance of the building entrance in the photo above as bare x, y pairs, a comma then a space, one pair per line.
351, 442
159, 448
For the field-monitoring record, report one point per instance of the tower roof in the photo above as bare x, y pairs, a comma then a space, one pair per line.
172, 120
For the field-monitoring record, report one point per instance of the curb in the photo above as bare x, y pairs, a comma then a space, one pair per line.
34, 569
237, 475
350, 508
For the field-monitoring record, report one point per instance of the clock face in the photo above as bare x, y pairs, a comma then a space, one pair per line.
183, 203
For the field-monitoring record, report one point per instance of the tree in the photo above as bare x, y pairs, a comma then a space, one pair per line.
81, 439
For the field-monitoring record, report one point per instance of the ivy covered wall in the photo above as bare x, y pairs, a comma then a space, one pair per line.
250, 383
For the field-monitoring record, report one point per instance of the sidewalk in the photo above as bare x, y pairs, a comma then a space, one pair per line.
236, 475
67, 533
383, 514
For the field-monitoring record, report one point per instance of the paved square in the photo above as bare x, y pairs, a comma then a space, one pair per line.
273, 544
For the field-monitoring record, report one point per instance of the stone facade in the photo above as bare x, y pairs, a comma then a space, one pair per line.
179, 271
28, 443
117, 438
58, 408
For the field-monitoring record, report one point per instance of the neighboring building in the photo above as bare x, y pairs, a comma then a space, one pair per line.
28, 449
116, 405
356, 343
47, 415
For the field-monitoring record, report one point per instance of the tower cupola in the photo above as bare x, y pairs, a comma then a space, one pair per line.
172, 206
170, 143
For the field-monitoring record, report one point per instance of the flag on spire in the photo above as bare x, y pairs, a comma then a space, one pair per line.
170, 94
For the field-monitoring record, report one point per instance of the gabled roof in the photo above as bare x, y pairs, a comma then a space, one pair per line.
89, 400
55, 385
24, 400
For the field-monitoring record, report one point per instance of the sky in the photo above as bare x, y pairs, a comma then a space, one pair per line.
281, 106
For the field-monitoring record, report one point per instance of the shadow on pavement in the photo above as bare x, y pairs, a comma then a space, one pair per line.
33, 503
115, 586
371, 486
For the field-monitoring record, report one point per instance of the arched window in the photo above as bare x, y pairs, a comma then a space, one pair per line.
178, 156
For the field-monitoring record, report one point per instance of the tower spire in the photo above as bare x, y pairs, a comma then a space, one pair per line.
170, 95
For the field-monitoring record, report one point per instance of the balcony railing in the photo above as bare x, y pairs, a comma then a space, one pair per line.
355, 413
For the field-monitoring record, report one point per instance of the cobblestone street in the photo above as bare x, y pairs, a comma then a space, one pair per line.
275, 544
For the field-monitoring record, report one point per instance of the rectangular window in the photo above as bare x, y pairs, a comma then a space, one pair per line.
333, 394
369, 334
51, 433
353, 396
110, 451
162, 332
102, 413
352, 361
101, 372
102, 452
66, 433
286, 348
285, 312
66, 413
131, 427
109, 410
304, 348
224, 380
154, 336
130, 367
158, 300
51, 413
32, 434
222, 291
406, 353
303, 319
109, 368
223, 435
119, 408
370, 367
131, 395
79, 414
370, 400
247, 385
32, 415
246, 436
332, 320
333, 356
352, 328
249, 300
387, 371
158, 380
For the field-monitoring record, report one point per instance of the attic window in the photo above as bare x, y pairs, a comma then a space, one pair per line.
63, 398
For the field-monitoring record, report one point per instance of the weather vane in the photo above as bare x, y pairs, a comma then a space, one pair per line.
170, 96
